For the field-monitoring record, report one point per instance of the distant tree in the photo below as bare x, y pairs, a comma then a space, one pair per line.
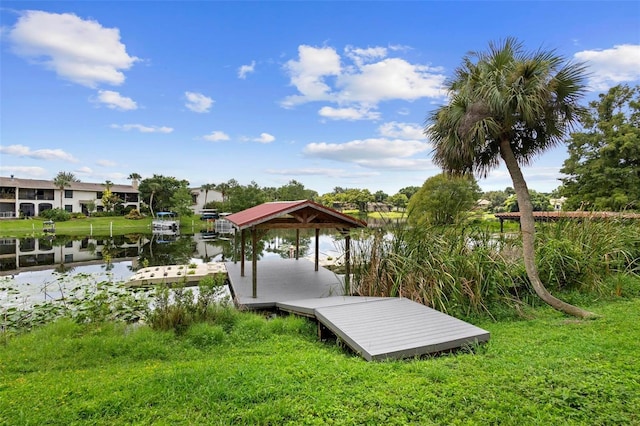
295, 190
154, 187
62, 181
327, 199
242, 197
497, 199
109, 199
181, 201
206, 188
511, 105
359, 197
270, 193
380, 196
224, 187
409, 191
540, 202
135, 179
399, 201
603, 167
444, 199
159, 189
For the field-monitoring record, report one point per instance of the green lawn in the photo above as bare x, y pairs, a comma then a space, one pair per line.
546, 370
100, 226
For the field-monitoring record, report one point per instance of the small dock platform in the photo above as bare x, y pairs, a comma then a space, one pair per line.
377, 328
175, 274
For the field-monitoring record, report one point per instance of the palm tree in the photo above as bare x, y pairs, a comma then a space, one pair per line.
512, 105
224, 190
154, 187
63, 180
134, 178
206, 188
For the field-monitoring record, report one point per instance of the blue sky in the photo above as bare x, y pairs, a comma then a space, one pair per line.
327, 93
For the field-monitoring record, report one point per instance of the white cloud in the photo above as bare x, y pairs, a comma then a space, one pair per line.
216, 136
361, 56
370, 77
106, 163
142, 129
265, 138
612, 66
391, 78
81, 51
20, 171
308, 74
397, 130
115, 100
246, 69
197, 102
373, 153
39, 154
84, 171
350, 114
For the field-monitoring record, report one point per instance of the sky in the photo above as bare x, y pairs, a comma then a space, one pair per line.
331, 94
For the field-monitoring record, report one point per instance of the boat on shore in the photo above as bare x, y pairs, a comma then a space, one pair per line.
165, 222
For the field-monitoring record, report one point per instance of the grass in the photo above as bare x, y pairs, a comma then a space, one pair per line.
253, 370
100, 226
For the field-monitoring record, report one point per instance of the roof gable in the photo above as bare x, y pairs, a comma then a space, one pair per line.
293, 214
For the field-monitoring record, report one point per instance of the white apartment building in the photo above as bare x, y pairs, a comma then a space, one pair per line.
30, 197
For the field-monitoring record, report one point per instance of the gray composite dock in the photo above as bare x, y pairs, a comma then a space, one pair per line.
280, 280
377, 328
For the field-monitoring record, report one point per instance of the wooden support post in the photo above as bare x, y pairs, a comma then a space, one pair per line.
297, 243
501, 225
242, 247
317, 248
347, 262
254, 262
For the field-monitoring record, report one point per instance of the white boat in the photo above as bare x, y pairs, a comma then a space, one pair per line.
165, 222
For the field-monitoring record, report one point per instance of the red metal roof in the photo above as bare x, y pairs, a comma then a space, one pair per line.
279, 209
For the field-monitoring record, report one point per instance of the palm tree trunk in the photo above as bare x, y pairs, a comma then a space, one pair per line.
528, 229
151, 203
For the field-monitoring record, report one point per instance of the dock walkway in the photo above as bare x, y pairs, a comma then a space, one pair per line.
377, 328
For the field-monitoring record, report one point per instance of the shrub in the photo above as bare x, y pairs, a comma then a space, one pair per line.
134, 214
178, 309
57, 215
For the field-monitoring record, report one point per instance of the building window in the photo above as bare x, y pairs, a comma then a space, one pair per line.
68, 207
68, 193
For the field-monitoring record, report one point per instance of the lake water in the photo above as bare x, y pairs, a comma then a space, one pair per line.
35, 270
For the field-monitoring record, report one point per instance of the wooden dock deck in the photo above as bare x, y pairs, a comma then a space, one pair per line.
280, 280
377, 328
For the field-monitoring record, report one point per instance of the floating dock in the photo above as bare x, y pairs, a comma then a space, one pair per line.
175, 274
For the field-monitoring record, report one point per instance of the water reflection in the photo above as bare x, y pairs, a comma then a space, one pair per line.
33, 270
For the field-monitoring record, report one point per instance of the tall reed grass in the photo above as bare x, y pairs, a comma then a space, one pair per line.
179, 308
470, 270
